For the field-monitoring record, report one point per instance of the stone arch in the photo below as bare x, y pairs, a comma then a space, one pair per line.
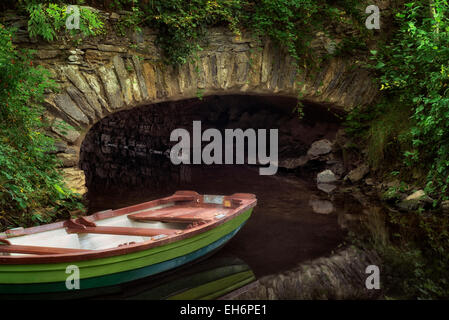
130, 148
103, 78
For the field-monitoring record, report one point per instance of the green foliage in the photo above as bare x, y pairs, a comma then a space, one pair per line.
290, 23
408, 131
47, 19
383, 130
181, 24
131, 20
43, 23
414, 250
414, 69
90, 23
416, 267
28, 177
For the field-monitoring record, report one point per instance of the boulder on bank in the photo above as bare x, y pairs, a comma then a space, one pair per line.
319, 148
293, 163
418, 195
358, 173
417, 199
326, 176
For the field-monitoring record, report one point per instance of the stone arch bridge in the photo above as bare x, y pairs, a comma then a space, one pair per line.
102, 76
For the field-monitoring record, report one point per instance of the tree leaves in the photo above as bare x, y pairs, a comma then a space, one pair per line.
28, 173
414, 68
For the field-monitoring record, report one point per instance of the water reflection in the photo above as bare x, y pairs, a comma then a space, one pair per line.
208, 279
283, 231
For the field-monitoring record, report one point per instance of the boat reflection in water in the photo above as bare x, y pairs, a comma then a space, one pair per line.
209, 279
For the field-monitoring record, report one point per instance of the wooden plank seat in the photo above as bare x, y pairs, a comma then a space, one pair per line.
167, 219
179, 198
170, 211
83, 225
7, 247
181, 215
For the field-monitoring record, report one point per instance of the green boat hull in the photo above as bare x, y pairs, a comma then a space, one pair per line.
110, 271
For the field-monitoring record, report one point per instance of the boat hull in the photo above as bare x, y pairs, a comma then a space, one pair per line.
115, 270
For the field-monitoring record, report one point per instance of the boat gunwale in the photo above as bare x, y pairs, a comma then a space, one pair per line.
249, 201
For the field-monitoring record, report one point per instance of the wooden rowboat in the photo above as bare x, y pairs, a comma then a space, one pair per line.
117, 246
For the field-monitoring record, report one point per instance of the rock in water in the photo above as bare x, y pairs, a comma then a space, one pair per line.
326, 187
319, 148
326, 176
321, 206
293, 163
358, 174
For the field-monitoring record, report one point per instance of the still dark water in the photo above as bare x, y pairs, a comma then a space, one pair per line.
283, 230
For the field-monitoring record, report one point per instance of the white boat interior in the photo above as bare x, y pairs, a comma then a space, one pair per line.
60, 238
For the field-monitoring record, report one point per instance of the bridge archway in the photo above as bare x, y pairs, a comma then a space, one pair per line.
106, 77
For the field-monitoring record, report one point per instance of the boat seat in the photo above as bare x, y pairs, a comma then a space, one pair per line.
175, 214
179, 199
6, 247
82, 225
168, 211
174, 219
